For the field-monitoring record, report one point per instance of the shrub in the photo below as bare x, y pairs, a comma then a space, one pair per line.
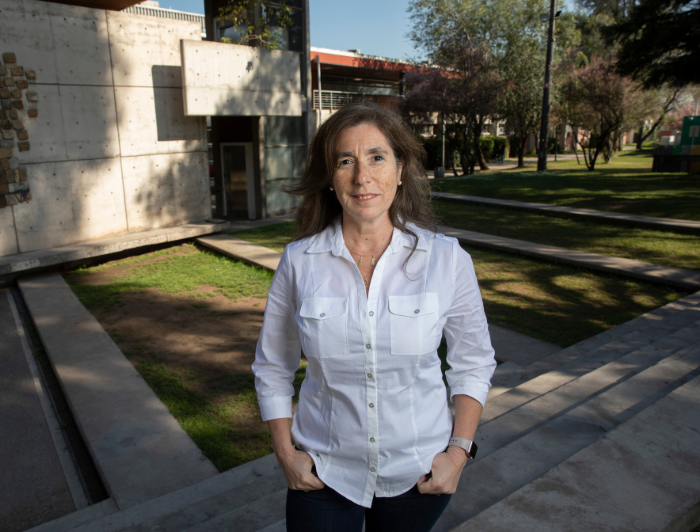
487, 147
551, 141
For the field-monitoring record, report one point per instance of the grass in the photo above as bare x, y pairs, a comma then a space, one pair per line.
174, 274
211, 421
275, 236
626, 184
553, 302
217, 408
659, 247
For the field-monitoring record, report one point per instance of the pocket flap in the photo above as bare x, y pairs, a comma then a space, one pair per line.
414, 306
323, 308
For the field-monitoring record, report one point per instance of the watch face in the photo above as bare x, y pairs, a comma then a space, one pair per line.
472, 450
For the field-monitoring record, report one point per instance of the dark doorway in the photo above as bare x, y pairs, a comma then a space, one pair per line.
237, 167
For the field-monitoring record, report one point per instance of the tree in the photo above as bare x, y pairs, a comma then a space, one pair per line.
447, 31
256, 23
661, 102
465, 94
675, 119
659, 42
598, 99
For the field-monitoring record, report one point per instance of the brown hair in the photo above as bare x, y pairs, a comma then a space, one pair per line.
320, 206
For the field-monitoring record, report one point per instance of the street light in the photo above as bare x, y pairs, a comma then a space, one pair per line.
544, 130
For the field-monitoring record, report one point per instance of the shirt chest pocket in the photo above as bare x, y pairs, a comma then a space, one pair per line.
324, 327
413, 320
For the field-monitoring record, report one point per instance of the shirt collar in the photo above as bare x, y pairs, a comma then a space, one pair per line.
331, 239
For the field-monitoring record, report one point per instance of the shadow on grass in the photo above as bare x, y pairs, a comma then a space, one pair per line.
557, 303
658, 247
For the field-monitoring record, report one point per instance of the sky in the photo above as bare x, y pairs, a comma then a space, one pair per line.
375, 27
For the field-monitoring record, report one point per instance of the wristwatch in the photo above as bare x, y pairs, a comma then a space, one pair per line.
468, 445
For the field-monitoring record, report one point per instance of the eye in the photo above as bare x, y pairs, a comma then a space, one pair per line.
345, 162
378, 158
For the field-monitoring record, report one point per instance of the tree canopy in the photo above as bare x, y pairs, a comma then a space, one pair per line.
659, 42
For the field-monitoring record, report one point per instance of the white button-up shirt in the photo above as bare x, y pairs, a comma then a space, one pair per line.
372, 410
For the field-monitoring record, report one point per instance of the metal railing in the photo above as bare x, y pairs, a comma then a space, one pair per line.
334, 100
167, 13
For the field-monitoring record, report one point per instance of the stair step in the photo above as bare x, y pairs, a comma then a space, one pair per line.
86, 515
243, 502
507, 469
239, 478
642, 475
279, 526
253, 517
542, 384
650, 327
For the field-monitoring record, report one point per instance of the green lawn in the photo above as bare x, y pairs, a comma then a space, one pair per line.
216, 405
658, 247
626, 184
557, 303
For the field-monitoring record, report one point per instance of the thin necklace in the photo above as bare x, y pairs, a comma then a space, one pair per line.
372, 261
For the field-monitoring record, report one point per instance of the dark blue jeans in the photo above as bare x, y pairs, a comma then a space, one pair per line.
327, 511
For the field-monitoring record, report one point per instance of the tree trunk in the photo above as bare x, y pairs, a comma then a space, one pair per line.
521, 151
639, 137
479, 154
574, 142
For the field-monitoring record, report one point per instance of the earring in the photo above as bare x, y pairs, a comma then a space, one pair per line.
400, 182
332, 189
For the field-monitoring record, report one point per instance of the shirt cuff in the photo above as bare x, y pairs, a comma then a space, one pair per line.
476, 390
275, 407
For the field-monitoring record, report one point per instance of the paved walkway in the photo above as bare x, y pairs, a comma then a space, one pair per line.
634, 220
676, 277
32, 482
508, 164
12, 266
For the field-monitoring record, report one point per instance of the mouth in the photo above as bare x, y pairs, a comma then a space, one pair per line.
365, 197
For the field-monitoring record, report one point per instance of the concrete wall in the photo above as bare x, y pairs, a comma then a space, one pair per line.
233, 80
111, 150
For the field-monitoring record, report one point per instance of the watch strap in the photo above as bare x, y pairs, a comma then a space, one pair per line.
468, 445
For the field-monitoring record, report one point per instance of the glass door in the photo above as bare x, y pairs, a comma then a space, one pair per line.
237, 165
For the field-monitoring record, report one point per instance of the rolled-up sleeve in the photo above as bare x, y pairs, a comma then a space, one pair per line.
469, 352
279, 350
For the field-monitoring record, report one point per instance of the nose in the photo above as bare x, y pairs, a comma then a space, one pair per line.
362, 173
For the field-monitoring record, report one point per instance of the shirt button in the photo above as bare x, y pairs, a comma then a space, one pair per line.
371, 313
323, 314
372, 469
371, 405
369, 346
416, 311
369, 375
372, 440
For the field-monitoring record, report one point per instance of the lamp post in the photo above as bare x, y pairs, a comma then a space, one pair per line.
544, 130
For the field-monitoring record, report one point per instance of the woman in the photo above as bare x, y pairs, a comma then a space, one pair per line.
366, 291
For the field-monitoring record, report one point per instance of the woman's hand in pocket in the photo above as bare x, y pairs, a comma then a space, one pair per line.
445, 473
297, 467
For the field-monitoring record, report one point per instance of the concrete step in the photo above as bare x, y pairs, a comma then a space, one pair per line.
580, 366
138, 447
518, 412
227, 489
647, 328
507, 469
642, 475
81, 517
254, 517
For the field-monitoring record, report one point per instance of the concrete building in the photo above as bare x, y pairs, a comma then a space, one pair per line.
260, 131
104, 122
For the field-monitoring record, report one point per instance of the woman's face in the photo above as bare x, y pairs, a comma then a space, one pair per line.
366, 173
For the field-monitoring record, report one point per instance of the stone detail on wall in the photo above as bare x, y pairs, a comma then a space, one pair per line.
14, 184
